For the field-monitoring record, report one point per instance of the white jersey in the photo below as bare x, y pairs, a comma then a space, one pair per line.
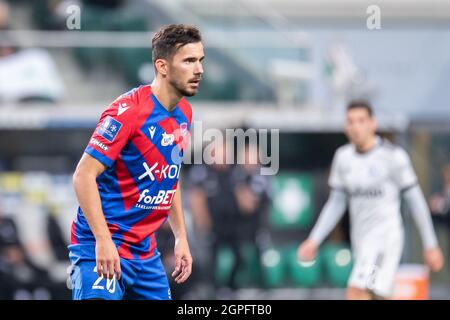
373, 182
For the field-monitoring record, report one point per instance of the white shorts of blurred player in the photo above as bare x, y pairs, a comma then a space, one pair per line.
376, 261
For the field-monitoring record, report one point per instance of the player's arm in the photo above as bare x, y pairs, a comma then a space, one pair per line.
331, 213
113, 131
183, 258
86, 189
412, 194
421, 214
422, 217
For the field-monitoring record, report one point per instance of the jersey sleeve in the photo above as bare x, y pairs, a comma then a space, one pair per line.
402, 170
113, 131
335, 180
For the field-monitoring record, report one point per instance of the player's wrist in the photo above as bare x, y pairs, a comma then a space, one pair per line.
180, 237
430, 246
102, 237
313, 242
431, 249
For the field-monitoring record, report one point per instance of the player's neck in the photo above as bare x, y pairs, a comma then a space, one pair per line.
166, 97
367, 146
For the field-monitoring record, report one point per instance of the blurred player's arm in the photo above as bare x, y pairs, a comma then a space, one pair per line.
405, 177
86, 189
421, 214
422, 217
331, 213
183, 258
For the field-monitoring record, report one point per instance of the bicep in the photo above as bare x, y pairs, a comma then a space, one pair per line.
335, 180
112, 132
338, 198
90, 165
403, 171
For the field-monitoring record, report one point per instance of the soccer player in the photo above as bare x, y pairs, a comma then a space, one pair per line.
127, 180
372, 175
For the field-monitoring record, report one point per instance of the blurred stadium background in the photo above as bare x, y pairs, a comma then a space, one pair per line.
283, 64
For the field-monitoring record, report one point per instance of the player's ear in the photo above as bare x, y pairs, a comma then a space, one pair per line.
161, 66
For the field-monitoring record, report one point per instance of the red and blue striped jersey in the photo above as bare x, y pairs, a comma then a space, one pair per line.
141, 144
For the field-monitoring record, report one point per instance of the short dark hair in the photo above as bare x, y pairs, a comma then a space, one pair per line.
360, 104
170, 38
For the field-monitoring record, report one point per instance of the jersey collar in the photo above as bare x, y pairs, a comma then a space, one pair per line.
160, 106
378, 142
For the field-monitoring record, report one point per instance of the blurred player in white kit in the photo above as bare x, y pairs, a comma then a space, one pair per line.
372, 176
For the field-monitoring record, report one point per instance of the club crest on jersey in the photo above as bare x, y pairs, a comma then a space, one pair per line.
167, 139
109, 128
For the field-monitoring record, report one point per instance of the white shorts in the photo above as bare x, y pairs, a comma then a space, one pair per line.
376, 261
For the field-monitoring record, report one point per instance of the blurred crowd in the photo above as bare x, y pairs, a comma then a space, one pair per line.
32, 74
20, 277
26, 74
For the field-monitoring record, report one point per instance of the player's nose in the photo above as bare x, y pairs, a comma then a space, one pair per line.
198, 68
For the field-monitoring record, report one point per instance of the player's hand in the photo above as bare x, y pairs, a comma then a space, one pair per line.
183, 261
107, 259
307, 251
434, 259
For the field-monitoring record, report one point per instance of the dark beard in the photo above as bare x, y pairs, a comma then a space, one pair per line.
181, 91
187, 94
